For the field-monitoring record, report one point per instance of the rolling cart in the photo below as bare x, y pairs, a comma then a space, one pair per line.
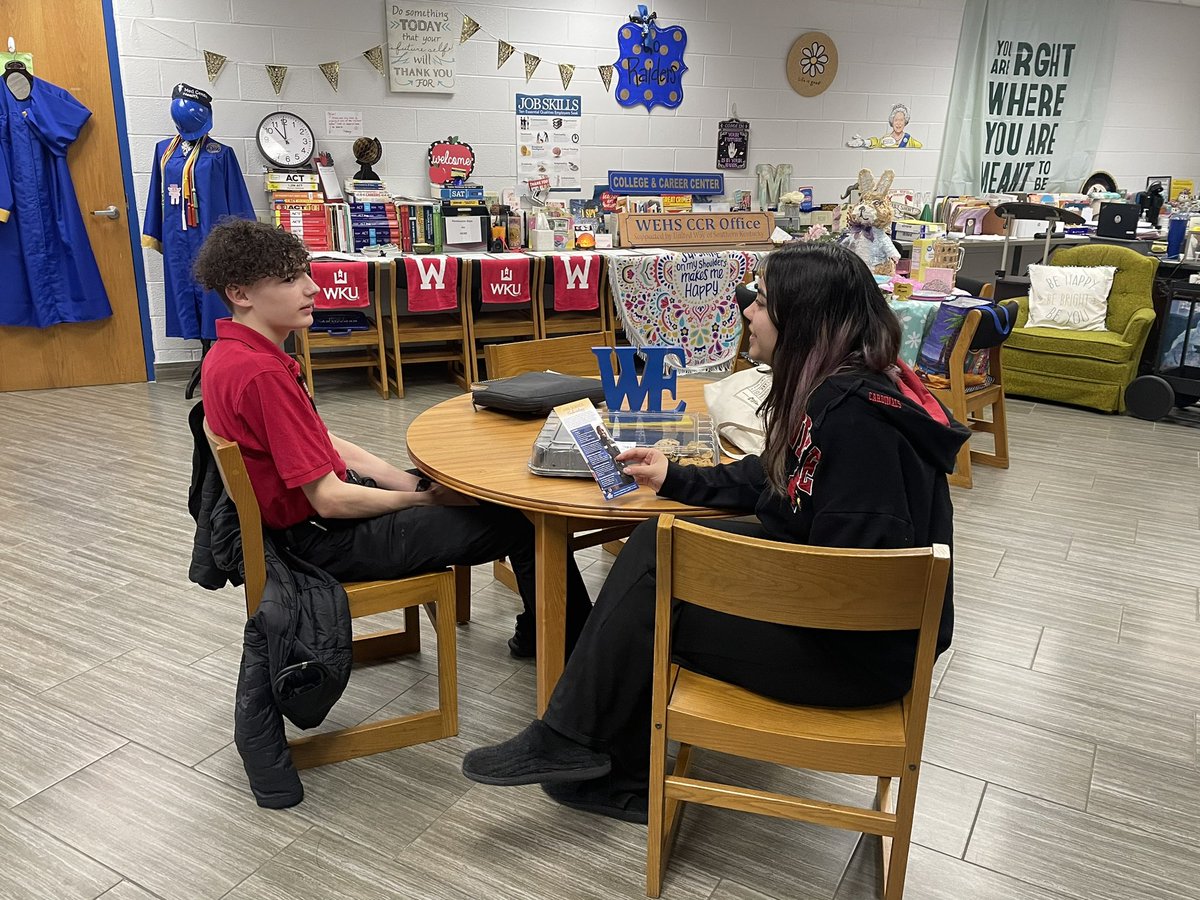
1176, 378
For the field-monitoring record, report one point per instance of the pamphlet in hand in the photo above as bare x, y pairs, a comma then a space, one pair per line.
598, 448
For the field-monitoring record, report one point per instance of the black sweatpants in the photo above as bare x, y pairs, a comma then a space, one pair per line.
603, 698
426, 538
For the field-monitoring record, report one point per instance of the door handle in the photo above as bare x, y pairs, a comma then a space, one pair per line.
111, 213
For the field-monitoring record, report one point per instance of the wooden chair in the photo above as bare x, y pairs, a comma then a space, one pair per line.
816, 587
967, 406
357, 350
428, 337
552, 322
570, 355
435, 591
503, 321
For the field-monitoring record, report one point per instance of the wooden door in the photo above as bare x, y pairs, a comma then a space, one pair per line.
110, 350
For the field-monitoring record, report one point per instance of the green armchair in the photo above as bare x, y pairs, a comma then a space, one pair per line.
1086, 368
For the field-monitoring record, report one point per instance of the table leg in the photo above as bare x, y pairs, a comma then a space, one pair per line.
550, 543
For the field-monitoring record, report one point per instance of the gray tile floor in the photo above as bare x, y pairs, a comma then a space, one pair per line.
1060, 761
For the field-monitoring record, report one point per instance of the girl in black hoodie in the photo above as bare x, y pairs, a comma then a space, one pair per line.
857, 453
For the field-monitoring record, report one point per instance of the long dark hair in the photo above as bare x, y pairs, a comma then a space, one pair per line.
831, 317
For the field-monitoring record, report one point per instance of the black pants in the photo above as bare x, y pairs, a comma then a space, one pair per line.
426, 538
603, 698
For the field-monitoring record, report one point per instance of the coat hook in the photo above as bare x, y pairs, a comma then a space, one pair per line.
12, 44
735, 110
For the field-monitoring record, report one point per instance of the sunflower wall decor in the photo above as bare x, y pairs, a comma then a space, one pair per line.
812, 63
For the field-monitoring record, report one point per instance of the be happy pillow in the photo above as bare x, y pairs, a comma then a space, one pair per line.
1074, 298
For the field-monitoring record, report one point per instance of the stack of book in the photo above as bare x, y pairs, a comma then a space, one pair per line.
298, 207
373, 218
420, 224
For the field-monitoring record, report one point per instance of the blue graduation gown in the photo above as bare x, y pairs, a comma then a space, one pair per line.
48, 273
191, 311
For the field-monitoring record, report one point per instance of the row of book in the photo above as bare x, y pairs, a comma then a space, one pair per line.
365, 216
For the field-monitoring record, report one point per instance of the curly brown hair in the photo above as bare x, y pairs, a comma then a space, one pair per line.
240, 251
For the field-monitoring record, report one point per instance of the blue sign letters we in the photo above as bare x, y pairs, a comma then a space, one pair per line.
625, 391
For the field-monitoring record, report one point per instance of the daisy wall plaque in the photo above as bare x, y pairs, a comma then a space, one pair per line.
812, 64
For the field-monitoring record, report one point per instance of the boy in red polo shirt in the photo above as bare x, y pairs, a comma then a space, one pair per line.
254, 395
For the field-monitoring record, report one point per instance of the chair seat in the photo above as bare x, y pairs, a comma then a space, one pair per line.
730, 719
1102, 345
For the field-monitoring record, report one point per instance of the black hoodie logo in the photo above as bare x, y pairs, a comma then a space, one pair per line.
808, 455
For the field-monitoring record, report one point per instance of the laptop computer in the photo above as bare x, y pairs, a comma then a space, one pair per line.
1118, 220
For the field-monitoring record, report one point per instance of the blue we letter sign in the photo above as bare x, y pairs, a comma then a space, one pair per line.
650, 68
624, 390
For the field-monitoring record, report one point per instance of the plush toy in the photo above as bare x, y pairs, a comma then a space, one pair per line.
868, 220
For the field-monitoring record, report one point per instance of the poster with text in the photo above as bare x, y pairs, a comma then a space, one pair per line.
1028, 98
422, 44
548, 143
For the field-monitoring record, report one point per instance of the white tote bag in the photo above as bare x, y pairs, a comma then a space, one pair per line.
733, 404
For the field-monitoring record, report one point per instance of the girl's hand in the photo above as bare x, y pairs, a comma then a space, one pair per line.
646, 465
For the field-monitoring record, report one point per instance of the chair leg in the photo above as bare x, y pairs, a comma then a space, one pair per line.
447, 649
462, 594
961, 476
614, 547
1000, 433
897, 858
656, 862
503, 573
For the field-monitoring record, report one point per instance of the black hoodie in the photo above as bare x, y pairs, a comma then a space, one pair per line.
870, 473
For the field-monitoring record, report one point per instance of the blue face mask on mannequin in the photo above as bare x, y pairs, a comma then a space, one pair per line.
191, 110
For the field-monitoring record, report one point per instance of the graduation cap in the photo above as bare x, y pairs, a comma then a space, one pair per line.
187, 92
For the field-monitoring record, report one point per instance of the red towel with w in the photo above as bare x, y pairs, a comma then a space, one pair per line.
577, 281
432, 283
505, 280
344, 285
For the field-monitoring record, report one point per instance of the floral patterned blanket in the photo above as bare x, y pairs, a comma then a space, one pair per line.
683, 300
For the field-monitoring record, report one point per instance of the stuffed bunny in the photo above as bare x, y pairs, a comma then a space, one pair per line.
869, 218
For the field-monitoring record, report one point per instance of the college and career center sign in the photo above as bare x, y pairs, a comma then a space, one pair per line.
665, 183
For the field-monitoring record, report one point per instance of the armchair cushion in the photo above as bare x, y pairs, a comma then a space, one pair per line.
1132, 284
1102, 345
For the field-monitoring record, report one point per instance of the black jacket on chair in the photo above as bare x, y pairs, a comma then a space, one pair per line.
297, 650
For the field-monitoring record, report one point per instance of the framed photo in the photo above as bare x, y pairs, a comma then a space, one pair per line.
1164, 180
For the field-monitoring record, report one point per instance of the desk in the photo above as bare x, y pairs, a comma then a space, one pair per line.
485, 454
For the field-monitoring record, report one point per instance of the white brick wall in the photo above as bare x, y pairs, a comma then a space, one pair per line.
735, 55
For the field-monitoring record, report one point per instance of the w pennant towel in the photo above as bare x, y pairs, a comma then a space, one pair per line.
344, 285
577, 281
432, 283
505, 280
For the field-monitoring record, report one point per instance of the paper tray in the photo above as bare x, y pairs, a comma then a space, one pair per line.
686, 438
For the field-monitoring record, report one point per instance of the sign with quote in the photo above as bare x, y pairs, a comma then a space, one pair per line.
422, 45
1026, 106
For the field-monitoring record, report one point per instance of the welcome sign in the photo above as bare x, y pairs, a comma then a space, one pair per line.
1030, 86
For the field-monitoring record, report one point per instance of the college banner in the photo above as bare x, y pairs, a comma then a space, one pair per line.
1028, 98
344, 285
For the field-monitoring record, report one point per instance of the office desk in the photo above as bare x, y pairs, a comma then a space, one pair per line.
485, 454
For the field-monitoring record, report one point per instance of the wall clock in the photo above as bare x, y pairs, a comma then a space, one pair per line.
285, 140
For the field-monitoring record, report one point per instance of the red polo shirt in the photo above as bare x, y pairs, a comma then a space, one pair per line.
253, 395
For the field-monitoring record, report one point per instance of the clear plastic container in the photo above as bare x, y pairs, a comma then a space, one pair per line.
686, 438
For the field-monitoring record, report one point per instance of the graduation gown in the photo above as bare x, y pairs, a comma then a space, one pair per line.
221, 191
48, 273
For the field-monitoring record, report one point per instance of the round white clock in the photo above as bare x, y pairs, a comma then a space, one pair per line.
285, 140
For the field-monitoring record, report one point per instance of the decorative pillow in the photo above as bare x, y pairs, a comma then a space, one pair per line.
1074, 298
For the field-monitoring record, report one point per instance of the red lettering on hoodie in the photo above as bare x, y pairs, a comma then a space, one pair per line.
808, 455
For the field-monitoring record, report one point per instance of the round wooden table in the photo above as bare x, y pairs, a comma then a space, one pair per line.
485, 454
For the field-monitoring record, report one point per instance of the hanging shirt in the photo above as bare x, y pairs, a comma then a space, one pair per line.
197, 185
48, 273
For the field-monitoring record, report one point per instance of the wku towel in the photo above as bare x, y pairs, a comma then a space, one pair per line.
576, 281
505, 280
432, 283
344, 285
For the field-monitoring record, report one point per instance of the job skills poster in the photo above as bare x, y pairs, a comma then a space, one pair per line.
548, 139
597, 446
